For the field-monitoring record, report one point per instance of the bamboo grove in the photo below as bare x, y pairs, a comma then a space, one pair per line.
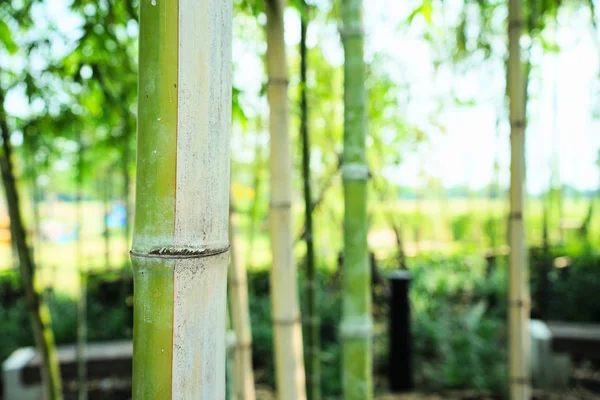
328, 128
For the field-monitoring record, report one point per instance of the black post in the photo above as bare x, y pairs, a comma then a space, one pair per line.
400, 366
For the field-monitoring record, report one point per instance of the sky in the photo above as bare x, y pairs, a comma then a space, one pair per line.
464, 153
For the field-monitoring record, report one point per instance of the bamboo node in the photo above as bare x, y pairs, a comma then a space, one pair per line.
515, 215
520, 380
352, 33
243, 345
282, 205
519, 303
358, 327
519, 123
237, 282
278, 81
355, 172
516, 24
179, 253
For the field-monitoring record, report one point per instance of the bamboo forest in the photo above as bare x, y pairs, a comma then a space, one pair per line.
300, 200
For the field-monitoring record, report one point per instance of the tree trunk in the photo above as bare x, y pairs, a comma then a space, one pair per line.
180, 242
356, 326
289, 360
311, 319
243, 375
38, 310
518, 296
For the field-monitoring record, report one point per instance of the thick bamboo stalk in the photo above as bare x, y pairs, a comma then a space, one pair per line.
180, 243
243, 375
311, 317
356, 326
518, 296
289, 359
38, 310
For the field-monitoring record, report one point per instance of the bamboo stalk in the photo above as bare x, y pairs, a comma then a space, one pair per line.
289, 360
82, 389
356, 326
231, 343
38, 309
180, 243
106, 183
243, 375
126, 175
311, 319
82, 303
518, 296
257, 185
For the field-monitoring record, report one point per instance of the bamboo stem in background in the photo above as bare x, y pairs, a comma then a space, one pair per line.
82, 303
287, 332
243, 375
180, 240
106, 183
231, 343
38, 309
82, 393
311, 317
257, 185
356, 326
518, 296
126, 177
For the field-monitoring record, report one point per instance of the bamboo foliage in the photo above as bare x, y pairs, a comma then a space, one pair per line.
311, 317
289, 361
518, 295
356, 326
243, 375
180, 243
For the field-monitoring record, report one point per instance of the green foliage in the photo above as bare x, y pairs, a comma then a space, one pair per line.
458, 314
573, 285
458, 329
6, 38
110, 306
109, 316
462, 227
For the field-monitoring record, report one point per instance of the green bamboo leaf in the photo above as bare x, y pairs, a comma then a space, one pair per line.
427, 10
6, 38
